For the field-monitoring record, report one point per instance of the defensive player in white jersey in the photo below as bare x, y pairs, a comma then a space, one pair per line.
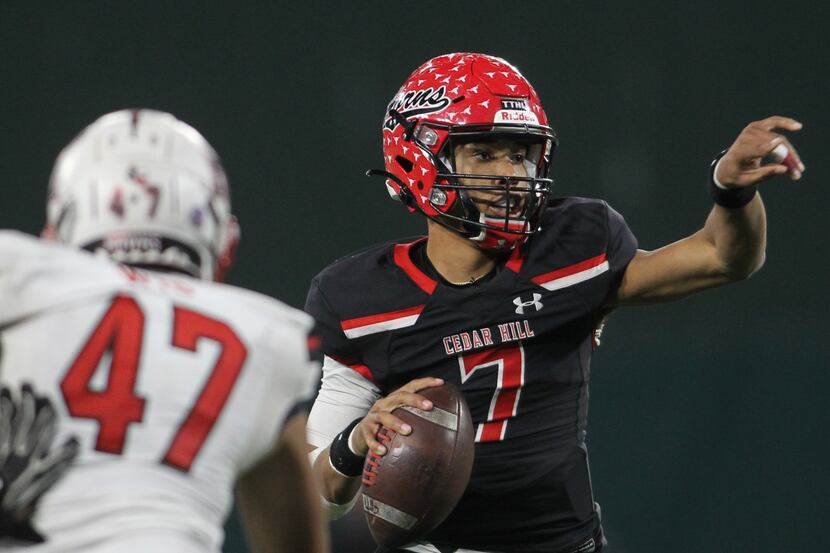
178, 388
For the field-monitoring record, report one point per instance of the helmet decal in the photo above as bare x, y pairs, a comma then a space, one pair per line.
416, 102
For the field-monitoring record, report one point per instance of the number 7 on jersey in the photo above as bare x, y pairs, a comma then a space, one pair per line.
509, 362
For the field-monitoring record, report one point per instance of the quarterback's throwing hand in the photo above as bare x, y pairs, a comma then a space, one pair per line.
29, 466
742, 164
380, 414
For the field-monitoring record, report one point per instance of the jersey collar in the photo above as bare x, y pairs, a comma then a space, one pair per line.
402, 257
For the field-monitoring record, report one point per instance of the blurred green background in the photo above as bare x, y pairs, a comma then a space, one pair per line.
708, 420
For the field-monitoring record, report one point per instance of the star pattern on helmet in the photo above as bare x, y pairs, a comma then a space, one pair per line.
426, 67
451, 90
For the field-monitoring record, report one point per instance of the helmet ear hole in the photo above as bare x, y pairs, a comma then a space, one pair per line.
405, 164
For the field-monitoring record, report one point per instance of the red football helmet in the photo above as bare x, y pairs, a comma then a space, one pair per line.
459, 98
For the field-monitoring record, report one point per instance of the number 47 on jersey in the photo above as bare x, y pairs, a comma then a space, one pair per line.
120, 333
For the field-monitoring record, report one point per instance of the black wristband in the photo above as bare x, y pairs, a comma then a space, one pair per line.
730, 198
341, 457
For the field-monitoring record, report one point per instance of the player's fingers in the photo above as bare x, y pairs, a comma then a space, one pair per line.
785, 153
764, 144
754, 142
44, 429
7, 410
763, 173
24, 419
391, 421
761, 143
69, 450
26, 499
777, 122
368, 431
400, 397
421, 383
49, 470
59, 458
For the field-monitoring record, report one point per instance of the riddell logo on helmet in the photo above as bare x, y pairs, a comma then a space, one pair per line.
514, 103
514, 116
416, 102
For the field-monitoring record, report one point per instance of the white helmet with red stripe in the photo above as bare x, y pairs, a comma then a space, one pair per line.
145, 189
457, 98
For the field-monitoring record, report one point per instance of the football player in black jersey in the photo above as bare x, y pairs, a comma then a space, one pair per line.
503, 298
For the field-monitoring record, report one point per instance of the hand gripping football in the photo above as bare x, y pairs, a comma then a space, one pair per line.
414, 487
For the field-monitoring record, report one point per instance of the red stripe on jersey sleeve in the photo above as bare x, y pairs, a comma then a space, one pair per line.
570, 269
381, 317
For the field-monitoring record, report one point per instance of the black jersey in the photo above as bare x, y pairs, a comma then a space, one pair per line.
517, 344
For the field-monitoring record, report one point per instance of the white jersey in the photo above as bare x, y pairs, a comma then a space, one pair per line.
174, 387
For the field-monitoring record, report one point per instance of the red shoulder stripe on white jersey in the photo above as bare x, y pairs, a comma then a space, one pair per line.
382, 322
573, 274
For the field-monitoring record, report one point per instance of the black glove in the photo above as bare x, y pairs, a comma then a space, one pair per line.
28, 468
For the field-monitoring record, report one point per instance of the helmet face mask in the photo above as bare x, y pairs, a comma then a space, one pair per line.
461, 99
524, 197
145, 189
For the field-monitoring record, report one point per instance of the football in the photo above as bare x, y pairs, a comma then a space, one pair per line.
411, 490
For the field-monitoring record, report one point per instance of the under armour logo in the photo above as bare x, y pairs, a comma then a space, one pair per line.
520, 305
